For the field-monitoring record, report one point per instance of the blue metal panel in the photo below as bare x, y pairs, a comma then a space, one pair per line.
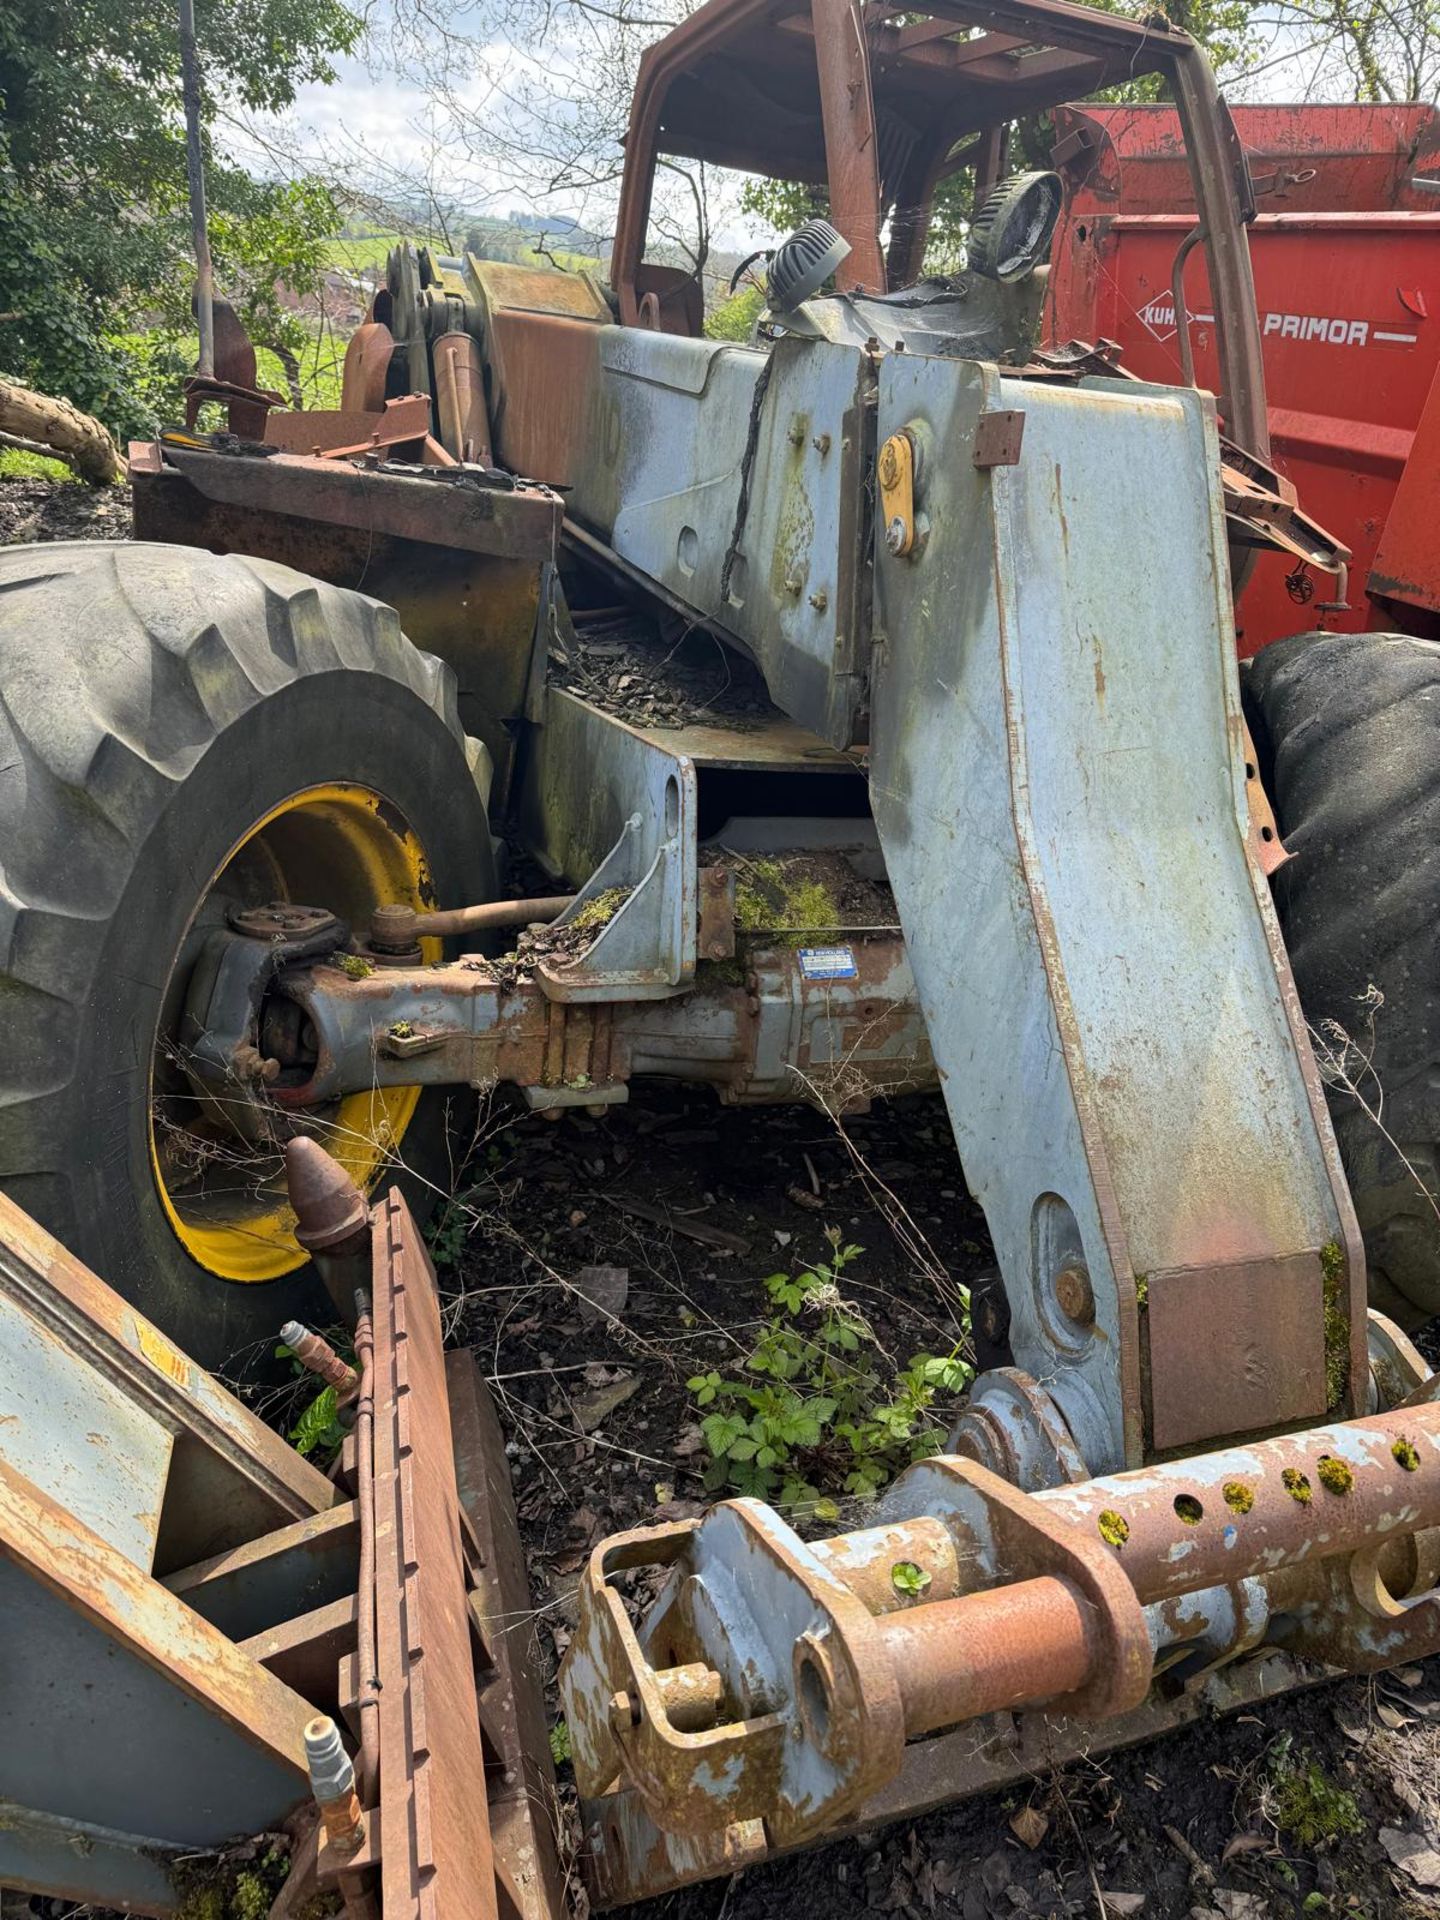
1059, 787
96, 1732
68, 1859
693, 423
80, 1436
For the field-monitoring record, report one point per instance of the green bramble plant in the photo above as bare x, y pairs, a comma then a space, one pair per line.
819, 1409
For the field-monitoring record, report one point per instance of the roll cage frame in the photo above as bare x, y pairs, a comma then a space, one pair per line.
877, 107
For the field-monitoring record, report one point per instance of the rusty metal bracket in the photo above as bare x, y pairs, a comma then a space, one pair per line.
999, 435
810, 1716
466, 511
1261, 511
1266, 846
246, 407
716, 939
1234, 1573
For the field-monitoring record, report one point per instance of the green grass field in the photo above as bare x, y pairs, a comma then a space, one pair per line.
321, 367
30, 466
355, 252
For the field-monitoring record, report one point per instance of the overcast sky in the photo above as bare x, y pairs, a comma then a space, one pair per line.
379, 128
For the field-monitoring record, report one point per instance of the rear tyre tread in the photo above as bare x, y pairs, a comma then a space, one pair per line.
1349, 732
131, 677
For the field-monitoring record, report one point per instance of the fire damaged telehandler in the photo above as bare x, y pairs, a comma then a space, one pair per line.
254, 932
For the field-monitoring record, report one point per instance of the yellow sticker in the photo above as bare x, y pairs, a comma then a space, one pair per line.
162, 1355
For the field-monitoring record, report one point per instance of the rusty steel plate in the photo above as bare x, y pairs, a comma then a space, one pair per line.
524, 1804
1235, 1349
520, 523
436, 1856
999, 436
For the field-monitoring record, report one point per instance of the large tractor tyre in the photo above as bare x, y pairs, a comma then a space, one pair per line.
181, 733
1348, 730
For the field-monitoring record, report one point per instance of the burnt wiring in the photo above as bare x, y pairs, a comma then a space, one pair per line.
747, 468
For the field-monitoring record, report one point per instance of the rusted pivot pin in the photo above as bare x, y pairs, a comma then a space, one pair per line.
958, 1659
798, 1671
951, 1661
1246, 1512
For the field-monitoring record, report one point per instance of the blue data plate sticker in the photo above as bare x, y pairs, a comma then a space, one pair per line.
828, 963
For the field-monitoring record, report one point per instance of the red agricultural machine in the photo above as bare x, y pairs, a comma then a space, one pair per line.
1345, 247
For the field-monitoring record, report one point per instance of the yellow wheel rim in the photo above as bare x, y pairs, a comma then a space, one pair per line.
344, 848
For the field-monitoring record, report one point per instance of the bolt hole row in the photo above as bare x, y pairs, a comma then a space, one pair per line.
1334, 1475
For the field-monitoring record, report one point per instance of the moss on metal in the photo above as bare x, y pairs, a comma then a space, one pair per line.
771, 896
1333, 1474
1114, 1528
1337, 1325
596, 914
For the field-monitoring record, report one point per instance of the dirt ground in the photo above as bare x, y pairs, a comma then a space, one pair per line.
62, 510
1265, 1836
1308, 1805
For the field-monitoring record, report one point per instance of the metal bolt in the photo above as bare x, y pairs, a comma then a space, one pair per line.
312, 1350
820, 600
821, 443
623, 1712
796, 435
332, 1781
1075, 1295
895, 536
793, 584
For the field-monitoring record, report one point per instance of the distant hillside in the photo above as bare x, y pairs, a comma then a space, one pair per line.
529, 239
364, 242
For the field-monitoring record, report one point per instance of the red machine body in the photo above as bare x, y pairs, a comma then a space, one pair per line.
1346, 253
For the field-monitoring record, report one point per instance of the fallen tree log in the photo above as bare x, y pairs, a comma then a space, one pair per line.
56, 428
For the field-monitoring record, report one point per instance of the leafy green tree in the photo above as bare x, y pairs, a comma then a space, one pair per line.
94, 221
734, 319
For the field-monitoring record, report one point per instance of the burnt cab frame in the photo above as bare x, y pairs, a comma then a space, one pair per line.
877, 108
